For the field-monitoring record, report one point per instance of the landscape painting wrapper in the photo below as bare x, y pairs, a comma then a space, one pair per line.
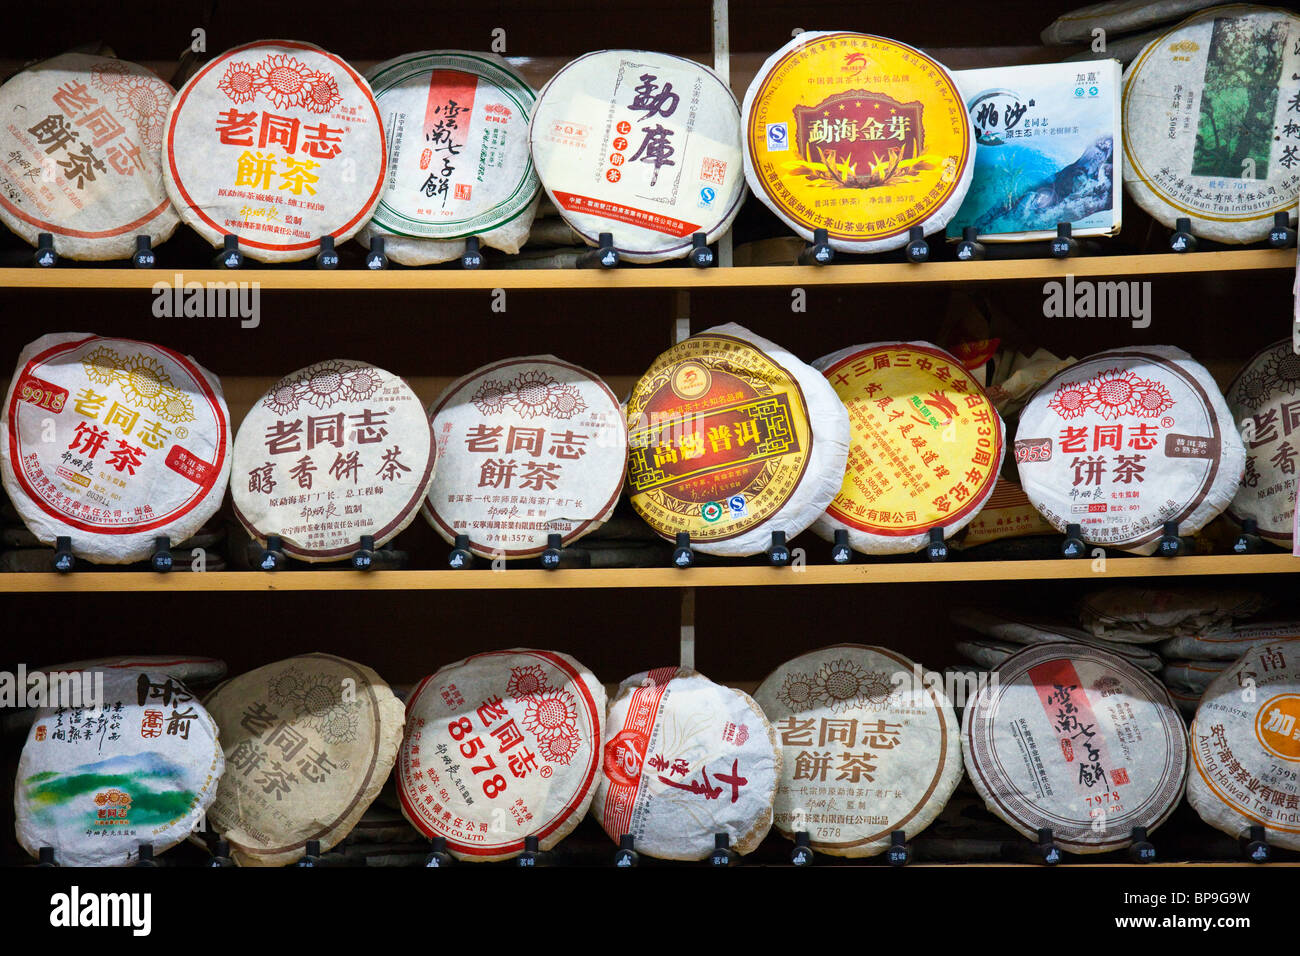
1203, 143
527, 447
866, 748
96, 785
1077, 740
1047, 137
456, 127
80, 156
1263, 400
278, 143
685, 759
140, 449
1246, 747
501, 746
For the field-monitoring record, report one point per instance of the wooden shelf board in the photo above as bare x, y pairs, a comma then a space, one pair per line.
716, 577
661, 278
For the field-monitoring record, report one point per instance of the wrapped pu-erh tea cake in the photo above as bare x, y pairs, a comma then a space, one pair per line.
456, 125
527, 447
1262, 400
81, 156
1246, 747
859, 723
732, 438
1145, 615
137, 767
925, 446
278, 143
859, 135
1116, 17
1017, 628
113, 443
686, 761
1192, 675
1127, 440
499, 747
645, 146
332, 452
1229, 643
1077, 740
1210, 122
309, 742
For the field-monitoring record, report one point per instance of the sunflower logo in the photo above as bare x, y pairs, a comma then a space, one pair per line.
174, 406
107, 75
318, 701
324, 384
527, 681
239, 82
282, 399
143, 99
103, 366
285, 686
1152, 399
843, 684
491, 397
560, 749
322, 93
284, 80
1283, 368
360, 384
551, 713
145, 379
1114, 392
1252, 389
798, 692
534, 393
567, 402
1070, 400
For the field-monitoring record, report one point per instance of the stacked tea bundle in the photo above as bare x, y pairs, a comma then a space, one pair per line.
1003, 633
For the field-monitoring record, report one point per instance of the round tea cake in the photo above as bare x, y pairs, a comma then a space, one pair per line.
278, 143
184, 667
1007, 625
527, 447
1116, 17
309, 742
1246, 747
1143, 615
1192, 675
1195, 145
988, 654
1263, 402
334, 451
859, 135
645, 146
1078, 740
456, 126
686, 759
867, 747
80, 156
501, 746
732, 438
1185, 700
1228, 643
96, 783
1125, 440
925, 446
113, 443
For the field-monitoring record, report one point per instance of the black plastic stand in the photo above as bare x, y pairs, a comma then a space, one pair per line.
1141, 850
461, 558
161, 561
146, 856
472, 257
327, 258
683, 556
1249, 541
45, 857
1182, 240
45, 257
375, 258
604, 256
970, 248
273, 557
778, 552
1254, 845
1171, 545
937, 549
554, 551
438, 855
143, 258
918, 248
899, 853
802, 854
1046, 847
220, 856
229, 257
701, 255
63, 559
1282, 235
1064, 245
312, 855
529, 857
626, 856
723, 854
841, 553
363, 559
1073, 546
819, 251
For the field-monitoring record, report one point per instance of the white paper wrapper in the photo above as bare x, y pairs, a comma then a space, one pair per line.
1075, 739
456, 127
925, 446
686, 759
1142, 615
1196, 147
859, 135
276, 142
1116, 16
1185, 700
309, 742
1126, 440
184, 667
1022, 629
1246, 747
645, 146
527, 447
501, 746
80, 156
988, 654
866, 748
1262, 400
732, 438
140, 449
1192, 676
96, 784
1227, 644
333, 451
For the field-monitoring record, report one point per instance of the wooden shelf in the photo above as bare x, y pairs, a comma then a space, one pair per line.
451, 280
580, 579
